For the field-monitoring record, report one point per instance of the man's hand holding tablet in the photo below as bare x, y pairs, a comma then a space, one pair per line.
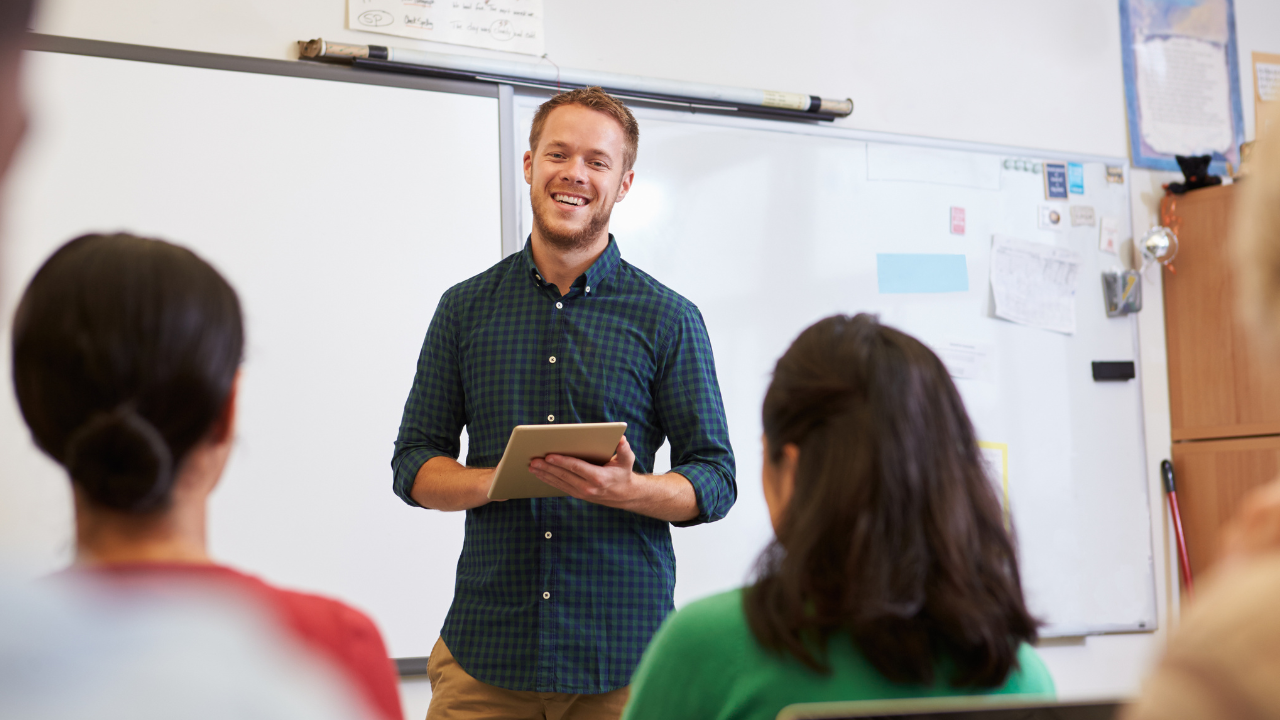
608, 484
591, 462
524, 469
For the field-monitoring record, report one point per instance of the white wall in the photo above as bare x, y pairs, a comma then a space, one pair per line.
1033, 74
1036, 74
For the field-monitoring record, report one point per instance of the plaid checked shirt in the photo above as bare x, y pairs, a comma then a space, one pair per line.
558, 594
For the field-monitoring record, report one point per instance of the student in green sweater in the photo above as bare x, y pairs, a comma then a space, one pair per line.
891, 574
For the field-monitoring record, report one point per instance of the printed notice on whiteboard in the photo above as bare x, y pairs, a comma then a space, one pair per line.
511, 25
995, 460
970, 361
1034, 284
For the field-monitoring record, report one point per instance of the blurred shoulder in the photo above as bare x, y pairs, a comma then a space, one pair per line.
1224, 656
711, 626
1031, 676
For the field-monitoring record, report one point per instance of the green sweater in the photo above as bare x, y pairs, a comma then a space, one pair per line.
704, 663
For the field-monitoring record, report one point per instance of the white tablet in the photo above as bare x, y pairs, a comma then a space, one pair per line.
593, 442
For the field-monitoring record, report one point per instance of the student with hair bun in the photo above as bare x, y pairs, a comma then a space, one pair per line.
891, 573
126, 357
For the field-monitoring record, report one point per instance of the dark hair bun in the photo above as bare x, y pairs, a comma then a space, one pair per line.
121, 461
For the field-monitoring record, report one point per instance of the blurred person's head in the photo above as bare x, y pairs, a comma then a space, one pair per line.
125, 358
887, 525
1255, 237
15, 15
1224, 657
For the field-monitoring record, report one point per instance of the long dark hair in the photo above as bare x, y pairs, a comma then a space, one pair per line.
124, 355
893, 533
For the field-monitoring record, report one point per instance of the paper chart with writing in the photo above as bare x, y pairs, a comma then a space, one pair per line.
511, 25
1266, 88
1181, 80
1035, 284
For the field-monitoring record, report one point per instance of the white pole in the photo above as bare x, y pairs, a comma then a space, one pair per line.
550, 75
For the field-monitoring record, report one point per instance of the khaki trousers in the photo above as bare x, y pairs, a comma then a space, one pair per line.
455, 695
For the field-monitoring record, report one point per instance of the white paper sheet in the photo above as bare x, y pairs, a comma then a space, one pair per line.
1083, 215
1268, 81
966, 360
1109, 235
1035, 284
511, 25
1184, 94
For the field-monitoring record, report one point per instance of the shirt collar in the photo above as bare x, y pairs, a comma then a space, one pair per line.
599, 270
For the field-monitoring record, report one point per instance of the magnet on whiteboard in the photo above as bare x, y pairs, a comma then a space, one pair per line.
1052, 217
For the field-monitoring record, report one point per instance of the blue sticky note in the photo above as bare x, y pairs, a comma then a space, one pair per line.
1075, 178
1055, 181
921, 273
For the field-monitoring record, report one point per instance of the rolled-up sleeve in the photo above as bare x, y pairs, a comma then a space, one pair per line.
687, 398
435, 412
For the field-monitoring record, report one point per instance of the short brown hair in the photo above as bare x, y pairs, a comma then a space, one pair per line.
600, 101
893, 534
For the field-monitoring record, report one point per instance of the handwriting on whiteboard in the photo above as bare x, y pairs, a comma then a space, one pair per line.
512, 25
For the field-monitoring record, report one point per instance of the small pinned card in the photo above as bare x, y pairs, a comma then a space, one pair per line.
1109, 235
1055, 181
1075, 178
1082, 215
1052, 218
957, 221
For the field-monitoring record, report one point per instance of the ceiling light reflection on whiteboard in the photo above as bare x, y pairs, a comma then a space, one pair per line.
639, 209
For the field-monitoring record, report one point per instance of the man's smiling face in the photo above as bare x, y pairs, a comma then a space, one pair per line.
575, 176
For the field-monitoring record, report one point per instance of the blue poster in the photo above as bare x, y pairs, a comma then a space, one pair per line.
1075, 178
1055, 181
1181, 81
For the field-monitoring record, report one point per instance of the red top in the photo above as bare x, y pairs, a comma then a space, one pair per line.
344, 636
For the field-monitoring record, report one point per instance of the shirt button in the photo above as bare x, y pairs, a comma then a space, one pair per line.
553, 359
546, 596
548, 534
588, 288
559, 306
551, 418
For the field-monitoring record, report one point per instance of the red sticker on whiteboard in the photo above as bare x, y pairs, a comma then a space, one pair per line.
957, 221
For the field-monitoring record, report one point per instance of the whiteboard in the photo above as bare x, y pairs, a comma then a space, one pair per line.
769, 227
340, 212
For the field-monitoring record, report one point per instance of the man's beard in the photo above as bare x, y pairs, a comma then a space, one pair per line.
569, 242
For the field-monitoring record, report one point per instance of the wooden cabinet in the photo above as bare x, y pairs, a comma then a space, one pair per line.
1224, 398
1218, 387
1214, 476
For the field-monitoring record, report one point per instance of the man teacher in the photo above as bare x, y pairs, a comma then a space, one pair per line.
556, 598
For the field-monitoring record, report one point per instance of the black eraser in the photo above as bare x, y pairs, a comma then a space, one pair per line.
1113, 370
410, 666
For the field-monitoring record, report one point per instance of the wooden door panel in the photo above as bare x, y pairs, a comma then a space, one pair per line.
1213, 478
